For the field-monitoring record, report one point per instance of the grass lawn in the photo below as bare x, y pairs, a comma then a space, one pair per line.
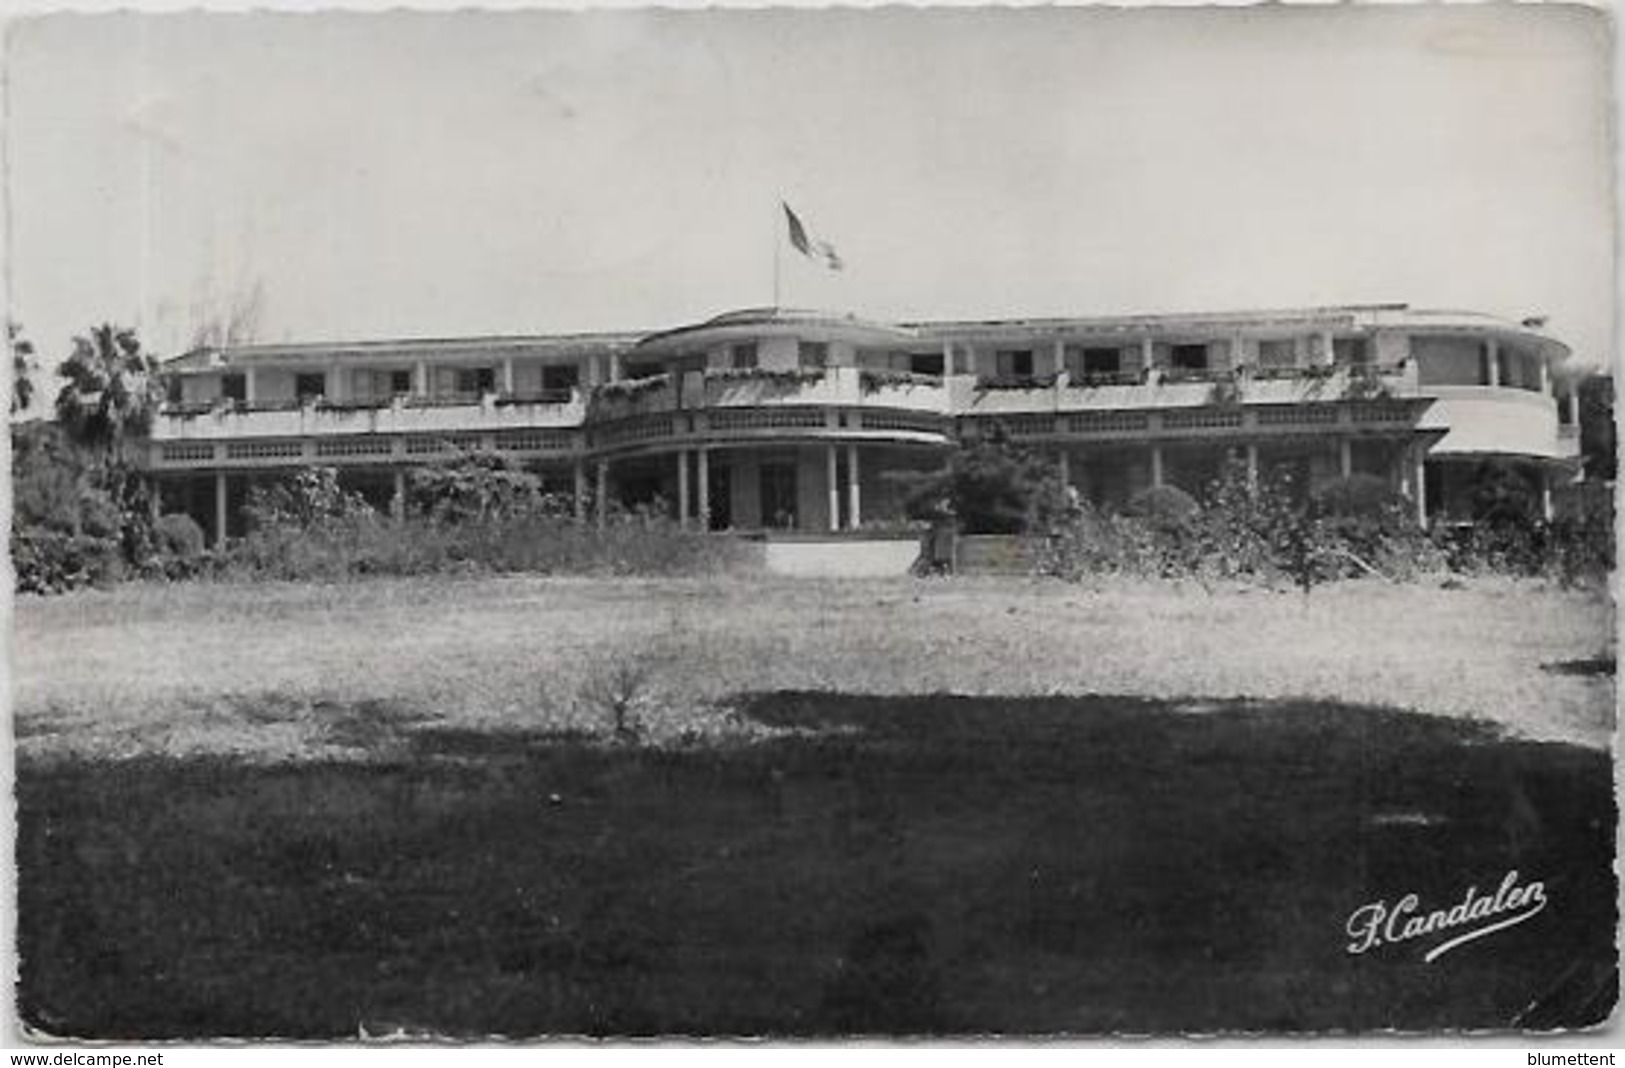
307, 811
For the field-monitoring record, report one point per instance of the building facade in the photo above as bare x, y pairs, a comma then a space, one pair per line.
774, 419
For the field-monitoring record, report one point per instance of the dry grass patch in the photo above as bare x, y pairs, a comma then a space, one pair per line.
205, 667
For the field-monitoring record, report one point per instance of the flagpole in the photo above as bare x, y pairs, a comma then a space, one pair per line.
778, 244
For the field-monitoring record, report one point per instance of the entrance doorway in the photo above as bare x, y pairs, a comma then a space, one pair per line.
778, 494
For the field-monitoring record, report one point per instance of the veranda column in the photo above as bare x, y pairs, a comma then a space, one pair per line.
601, 504
1345, 456
155, 498
249, 393
1574, 406
1493, 355
1156, 465
832, 478
219, 509
705, 489
507, 375
580, 490
397, 503
1252, 467
853, 497
682, 488
1148, 353
1546, 495
1419, 476
1066, 469
335, 382
420, 378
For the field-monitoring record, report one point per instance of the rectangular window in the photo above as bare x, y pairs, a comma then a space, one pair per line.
813, 355
476, 380
1014, 363
1351, 352
1188, 357
742, 357
1102, 361
1277, 352
234, 387
560, 377
312, 384
925, 363
400, 382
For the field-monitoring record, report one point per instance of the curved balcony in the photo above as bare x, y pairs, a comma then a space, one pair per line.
837, 387
1497, 421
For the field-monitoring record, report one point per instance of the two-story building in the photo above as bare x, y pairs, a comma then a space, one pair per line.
782, 419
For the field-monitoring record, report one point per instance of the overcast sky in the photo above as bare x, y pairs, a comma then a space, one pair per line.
444, 174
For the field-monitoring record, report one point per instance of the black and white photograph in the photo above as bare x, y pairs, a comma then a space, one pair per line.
812, 524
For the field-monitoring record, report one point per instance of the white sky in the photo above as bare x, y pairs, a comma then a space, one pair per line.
442, 174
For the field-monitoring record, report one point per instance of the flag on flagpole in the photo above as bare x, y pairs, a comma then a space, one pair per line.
818, 251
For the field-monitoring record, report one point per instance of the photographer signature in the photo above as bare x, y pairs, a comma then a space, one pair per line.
1380, 923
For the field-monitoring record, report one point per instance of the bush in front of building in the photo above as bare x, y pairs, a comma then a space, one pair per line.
179, 548
55, 561
308, 528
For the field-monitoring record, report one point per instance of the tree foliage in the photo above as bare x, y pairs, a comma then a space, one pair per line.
23, 366
989, 485
111, 394
474, 487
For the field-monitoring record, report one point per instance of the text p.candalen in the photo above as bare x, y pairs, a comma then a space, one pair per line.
1378, 922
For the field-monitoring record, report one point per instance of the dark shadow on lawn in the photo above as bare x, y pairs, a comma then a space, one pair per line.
952, 865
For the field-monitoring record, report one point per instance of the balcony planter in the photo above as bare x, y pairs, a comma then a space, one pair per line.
791, 375
874, 380
999, 382
631, 387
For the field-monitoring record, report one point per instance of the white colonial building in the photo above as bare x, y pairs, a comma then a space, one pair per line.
781, 419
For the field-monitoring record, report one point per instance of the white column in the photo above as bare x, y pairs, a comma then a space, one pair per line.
1420, 477
1060, 361
219, 509
1546, 494
832, 477
1574, 406
705, 489
602, 503
1494, 356
335, 382
420, 378
580, 502
1148, 353
682, 487
614, 367
397, 503
248, 385
1345, 456
1545, 374
1252, 467
853, 495
1066, 469
1156, 465
1327, 350
507, 374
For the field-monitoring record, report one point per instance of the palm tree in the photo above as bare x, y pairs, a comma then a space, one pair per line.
112, 392
22, 366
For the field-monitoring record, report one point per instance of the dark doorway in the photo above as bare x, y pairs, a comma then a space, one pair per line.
719, 486
778, 485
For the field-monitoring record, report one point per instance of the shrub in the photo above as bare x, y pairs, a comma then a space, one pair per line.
302, 501
988, 486
1165, 508
178, 546
54, 561
477, 486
